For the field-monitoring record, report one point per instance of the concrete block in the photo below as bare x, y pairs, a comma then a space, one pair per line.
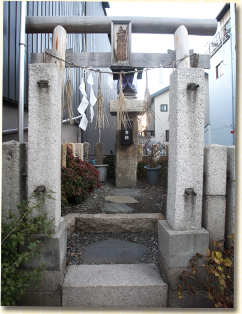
54, 251
86, 150
44, 135
51, 281
214, 209
186, 149
126, 158
50, 299
14, 164
177, 247
140, 152
215, 169
230, 197
114, 285
117, 222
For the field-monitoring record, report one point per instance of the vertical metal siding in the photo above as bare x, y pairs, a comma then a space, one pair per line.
100, 43
41, 42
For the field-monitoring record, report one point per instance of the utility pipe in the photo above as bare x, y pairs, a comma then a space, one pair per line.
12, 131
21, 73
102, 24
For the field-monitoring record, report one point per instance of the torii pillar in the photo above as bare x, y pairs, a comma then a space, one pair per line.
126, 156
181, 235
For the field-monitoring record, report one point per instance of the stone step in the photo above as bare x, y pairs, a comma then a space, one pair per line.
114, 285
98, 223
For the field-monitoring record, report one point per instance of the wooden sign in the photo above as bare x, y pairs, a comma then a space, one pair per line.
121, 43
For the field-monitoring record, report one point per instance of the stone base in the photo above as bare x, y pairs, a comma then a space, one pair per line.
54, 256
188, 301
176, 248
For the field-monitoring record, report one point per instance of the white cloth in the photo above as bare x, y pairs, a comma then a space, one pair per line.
82, 88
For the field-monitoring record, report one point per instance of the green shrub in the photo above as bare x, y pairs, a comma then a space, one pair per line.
219, 285
110, 160
19, 245
78, 178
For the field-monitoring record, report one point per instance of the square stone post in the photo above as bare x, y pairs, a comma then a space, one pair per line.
126, 156
44, 169
181, 235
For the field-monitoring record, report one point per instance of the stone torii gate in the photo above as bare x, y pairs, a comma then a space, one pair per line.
185, 200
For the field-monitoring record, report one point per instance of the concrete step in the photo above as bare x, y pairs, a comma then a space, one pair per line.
114, 285
112, 222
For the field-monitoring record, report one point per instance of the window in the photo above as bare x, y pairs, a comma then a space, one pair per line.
167, 135
219, 69
163, 107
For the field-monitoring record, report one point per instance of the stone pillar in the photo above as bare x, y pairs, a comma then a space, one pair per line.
181, 235
44, 169
13, 179
64, 152
44, 135
86, 150
215, 181
186, 150
230, 200
99, 153
126, 156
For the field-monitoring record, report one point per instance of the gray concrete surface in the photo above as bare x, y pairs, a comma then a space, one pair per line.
114, 285
113, 251
116, 208
125, 192
177, 247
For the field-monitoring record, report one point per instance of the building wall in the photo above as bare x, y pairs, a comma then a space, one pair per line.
220, 98
41, 42
161, 118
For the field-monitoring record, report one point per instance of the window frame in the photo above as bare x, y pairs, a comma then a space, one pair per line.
219, 70
165, 106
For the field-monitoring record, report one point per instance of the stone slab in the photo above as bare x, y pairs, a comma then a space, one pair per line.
70, 223
14, 157
125, 192
177, 247
113, 251
116, 285
132, 106
116, 208
120, 199
215, 169
230, 197
214, 211
99, 223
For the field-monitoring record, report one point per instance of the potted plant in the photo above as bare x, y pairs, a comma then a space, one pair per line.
152, 169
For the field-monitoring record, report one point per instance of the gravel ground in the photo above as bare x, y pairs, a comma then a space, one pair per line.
150, 201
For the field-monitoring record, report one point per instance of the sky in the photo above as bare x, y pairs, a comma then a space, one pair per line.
161, 43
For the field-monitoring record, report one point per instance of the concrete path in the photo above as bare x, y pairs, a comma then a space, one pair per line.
124, 199
125, 191
116, 208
